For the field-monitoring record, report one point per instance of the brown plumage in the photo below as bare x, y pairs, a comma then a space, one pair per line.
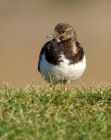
64, 42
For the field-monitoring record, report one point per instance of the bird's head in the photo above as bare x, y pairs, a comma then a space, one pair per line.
64, 31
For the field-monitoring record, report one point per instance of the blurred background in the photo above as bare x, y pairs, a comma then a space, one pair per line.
24, 25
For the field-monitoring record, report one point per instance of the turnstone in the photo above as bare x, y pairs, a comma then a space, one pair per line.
62, 58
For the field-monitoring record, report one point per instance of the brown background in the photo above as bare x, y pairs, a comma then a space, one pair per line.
24, 25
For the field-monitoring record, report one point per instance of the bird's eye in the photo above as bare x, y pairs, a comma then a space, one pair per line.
58, 32
62, 31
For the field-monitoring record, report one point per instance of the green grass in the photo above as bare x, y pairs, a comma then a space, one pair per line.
42, 114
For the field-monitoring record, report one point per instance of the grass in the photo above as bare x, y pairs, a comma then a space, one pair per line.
44, 114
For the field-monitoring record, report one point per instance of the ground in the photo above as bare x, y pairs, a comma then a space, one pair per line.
54, 114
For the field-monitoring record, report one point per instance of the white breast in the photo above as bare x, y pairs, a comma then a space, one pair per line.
62, 71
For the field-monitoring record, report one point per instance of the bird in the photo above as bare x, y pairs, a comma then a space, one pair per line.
62, 58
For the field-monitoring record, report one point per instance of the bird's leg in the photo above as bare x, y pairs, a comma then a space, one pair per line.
65, 87
65, 83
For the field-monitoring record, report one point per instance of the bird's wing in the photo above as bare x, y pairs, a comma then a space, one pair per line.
41, 53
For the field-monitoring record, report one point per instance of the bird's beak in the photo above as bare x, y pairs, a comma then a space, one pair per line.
52, 35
